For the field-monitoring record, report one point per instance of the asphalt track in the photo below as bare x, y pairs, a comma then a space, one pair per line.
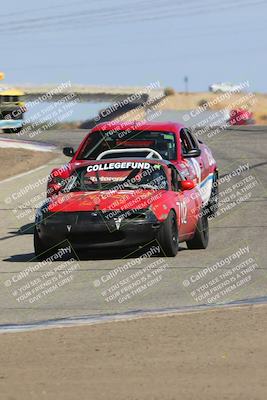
236, 255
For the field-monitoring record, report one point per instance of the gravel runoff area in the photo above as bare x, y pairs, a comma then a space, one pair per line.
210, 355
16, 161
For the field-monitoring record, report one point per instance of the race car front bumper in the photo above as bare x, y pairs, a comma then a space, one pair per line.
85, 230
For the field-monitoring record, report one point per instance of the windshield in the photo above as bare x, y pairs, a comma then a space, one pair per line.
97, 142
128, 175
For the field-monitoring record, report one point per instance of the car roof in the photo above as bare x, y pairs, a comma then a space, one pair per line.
139, 125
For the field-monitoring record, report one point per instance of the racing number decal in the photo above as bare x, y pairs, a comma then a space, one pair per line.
182, 211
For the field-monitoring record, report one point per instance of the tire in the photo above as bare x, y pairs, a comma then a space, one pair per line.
12, 130
41, 249
201, 237
250, 122
213, 203
168, 236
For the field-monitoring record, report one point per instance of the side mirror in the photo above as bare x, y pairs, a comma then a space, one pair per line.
187, 185
192, 153
68, 151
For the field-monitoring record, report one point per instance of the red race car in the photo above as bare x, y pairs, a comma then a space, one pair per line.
172, 141
241, 117
123, 203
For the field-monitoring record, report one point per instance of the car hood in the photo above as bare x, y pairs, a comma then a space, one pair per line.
103, 200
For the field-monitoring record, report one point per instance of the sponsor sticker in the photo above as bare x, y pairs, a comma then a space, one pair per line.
118, 165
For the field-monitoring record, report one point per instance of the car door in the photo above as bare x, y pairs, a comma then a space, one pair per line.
203, 160
192, 164
186, 204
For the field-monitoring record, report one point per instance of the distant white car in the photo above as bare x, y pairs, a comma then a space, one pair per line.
224, 87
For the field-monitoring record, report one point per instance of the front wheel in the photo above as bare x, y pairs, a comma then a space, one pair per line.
201, 237
213, 203
12, 130
41, 249
168, 235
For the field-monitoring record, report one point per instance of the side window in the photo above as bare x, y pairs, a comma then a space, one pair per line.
175, 179
186, 143
192, 139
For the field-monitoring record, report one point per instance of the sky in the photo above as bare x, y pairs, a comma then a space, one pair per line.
135, 42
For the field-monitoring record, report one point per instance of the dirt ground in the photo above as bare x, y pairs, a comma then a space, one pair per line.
220, 354
15, 161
